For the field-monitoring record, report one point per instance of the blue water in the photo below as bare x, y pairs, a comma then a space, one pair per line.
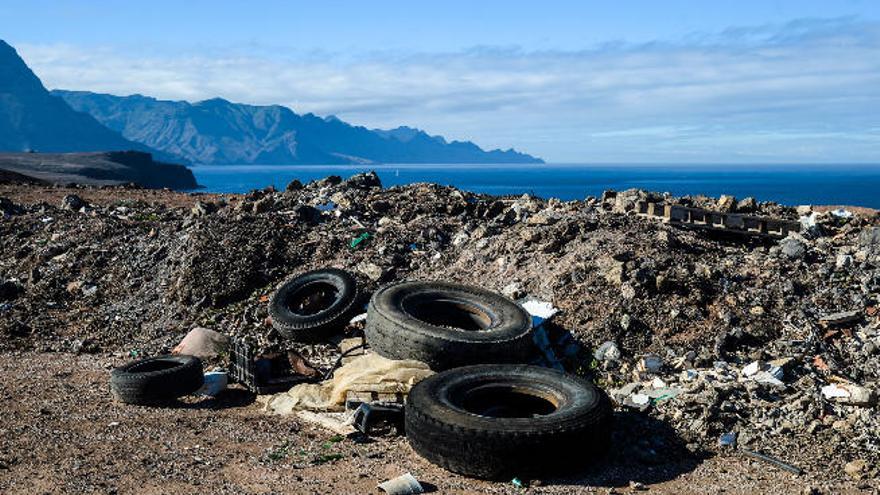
857, 185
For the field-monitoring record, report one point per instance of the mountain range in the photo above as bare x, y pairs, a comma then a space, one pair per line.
217, 131
214, 131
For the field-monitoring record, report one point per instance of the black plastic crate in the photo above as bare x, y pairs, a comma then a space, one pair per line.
262, 375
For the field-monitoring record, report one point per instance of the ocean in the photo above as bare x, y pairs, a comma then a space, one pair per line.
856, 185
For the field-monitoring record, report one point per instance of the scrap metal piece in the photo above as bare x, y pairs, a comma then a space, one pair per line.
368, 415
772, 460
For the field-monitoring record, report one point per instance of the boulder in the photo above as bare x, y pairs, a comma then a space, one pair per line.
726, 204
202, 343
72, 202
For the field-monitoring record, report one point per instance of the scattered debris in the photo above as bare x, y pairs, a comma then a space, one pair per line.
203, 343
368, 373
402, 485
848, 393
840, 319
772, 460
215, 383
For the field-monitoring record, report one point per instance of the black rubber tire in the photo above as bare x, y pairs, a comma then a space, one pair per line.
572, 436
394, 332
320, 325
156, 380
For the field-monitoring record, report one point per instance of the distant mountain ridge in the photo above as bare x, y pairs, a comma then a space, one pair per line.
217, 131
31, 119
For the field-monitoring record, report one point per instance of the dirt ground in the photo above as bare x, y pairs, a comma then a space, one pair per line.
62, 433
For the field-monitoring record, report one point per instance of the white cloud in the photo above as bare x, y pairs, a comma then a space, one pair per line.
804, 91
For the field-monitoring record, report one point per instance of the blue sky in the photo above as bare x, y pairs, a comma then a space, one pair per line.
579, 81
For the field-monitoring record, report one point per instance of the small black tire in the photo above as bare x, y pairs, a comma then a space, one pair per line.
156, 380
447, 325
338, 287
498, 421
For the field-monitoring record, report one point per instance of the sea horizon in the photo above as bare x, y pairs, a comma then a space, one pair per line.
851, 184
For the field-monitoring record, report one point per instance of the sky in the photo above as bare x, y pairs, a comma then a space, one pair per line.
751, 81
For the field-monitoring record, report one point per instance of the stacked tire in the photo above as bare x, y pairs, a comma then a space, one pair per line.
485, 414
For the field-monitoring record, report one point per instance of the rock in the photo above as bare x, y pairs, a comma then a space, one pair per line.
363, 181
613, 270
626, 201
869, 239
513, 291
202, 208
726, 204
10, 290
307, 214
203, 343
793, 248
72, 202
264, 204
294, 185
856, 469
804, 210
460, 239
372, 271
747, 205
8, 208
843, 261
607, 351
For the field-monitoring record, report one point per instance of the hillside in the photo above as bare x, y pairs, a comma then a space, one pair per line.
107, 168
33, 119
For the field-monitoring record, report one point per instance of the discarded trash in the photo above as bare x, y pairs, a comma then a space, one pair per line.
765, 373
202, 343
727, 439
339, 423
402, 485
849, 393
215, 382
359, 240
842, 318
772, 460
368, 373
518, 483
265, 374
376, 418
541, 309
650, 364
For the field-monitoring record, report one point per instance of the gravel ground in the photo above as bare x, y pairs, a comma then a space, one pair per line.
62, 433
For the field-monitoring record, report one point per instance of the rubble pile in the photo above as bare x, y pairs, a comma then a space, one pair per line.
730, 340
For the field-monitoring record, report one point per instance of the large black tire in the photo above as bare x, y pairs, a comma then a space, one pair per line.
334, 295
156, 380
499, 421
447, 325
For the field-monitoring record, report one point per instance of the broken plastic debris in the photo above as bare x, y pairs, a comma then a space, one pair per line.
402, 485
541, 309
360, 317
215, 382
359, 240
848, 393
727, 439
518, 483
